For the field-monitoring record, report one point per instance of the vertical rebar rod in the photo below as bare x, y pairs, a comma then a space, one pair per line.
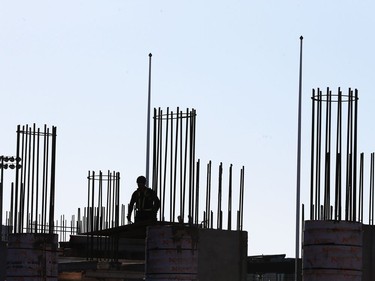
242, 192
52, 186
360, 205
107, 209
15, 211
230, 199
208, 194
338, 157
355, 155
191, 167
171, 174
219, 212
185, 165
86, 214
24, 178
194, 172
37, 180
112, 180
92, 214
165, 160
44, 178
32, 180
312, 157
349, 178
182, 190
20, 221
327, 174
318, 154
156, 186
154, 153
46, 132
160, 164
197, 193
175, 166
11, 215
371, 199
28, 134
110, 196
100, 194
118, 196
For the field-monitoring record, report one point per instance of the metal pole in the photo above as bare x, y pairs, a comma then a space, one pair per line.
1, 198
52, 192
312, 158
219, 212
15, 213
148, 120
338, 159
298, 163
230, 199
371, 208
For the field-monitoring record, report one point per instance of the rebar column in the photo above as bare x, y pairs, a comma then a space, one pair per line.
328, 168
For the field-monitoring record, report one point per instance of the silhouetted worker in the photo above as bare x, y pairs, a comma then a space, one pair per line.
146, 201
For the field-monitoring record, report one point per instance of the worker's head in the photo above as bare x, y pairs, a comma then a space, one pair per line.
141, 180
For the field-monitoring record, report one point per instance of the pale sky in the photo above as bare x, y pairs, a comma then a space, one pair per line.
83, 66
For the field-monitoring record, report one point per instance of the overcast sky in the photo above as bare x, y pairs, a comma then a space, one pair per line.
83, 66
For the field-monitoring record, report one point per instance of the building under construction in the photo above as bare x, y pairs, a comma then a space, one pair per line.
194, 237
98, 243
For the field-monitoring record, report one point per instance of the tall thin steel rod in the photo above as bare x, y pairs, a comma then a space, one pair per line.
360, 207
355, 155
154, 160
318, 154
338, 158
219, 211
164, 176
371, 207
327, 174
197, 192
20, 222
241, 201
32, 182
230, 199
15, 212
148, 120
37, 180
171, 175
28, 179
185, 164
298, 184
312, 158
52, 192
208, 195
349, 160
1, 198
182, 187
159, 159
46, 179
175, 167
11, 215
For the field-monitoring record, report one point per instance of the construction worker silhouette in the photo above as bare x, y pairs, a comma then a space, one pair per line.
146, 201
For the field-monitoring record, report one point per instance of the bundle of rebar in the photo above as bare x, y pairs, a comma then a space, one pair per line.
334, 167
176, 173
33, 194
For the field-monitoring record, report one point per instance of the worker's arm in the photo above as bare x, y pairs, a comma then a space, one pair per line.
156, 202
130, 207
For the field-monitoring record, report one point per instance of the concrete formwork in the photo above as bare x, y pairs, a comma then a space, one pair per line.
332, 250
32, 257
190, 253
368, 252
